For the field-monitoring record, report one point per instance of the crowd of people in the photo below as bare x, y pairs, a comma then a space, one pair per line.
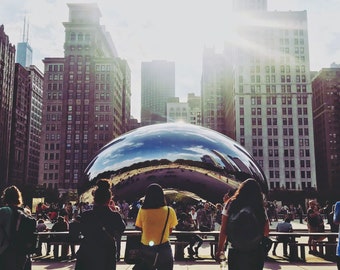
104, 221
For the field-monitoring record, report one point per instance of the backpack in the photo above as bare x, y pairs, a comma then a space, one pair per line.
243, 230
23, 239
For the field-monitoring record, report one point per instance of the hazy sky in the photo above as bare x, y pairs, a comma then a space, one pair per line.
173, 30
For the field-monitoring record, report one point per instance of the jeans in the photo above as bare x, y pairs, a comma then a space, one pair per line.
246, 260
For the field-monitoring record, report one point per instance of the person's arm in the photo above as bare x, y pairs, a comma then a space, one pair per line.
266, 228
222, 238
336, 216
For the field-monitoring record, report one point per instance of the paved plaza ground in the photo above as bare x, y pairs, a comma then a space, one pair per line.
273, 262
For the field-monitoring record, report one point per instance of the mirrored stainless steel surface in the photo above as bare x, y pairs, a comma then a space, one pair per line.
180, 157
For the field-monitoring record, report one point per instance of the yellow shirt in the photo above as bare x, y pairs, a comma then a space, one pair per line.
152, 221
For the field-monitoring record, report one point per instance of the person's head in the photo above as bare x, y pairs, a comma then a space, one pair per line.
103, 194
60, 219
12, 196
154, 197
41, 221
218, 206
249, 193
312, 203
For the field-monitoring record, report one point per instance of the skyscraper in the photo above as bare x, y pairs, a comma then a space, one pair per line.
83, 99
7, 64
24, 50
326, 111
158, 85
26, 126
273, 96
217, 92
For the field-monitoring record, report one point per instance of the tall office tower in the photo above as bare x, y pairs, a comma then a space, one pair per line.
273, 97
7, 66
26, 126
326, 111
17, 166
82, 99
35, 106
158, 85
24, 50
126, 96
217, 92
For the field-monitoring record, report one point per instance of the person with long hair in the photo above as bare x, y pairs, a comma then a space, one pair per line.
98, 226
248, 194
156, 221
10, 258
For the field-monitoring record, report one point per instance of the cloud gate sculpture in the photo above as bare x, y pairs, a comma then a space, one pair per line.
179, 157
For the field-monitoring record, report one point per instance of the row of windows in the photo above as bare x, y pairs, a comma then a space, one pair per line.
103, 87
272, 69
273, 111
297, 50
272, 89
273, 121
80, 37
55, 68
51, 166
79, 68
55, 77
79, 77
51, 156
103, 68
53, 117
79, 58
79, 47
51, 176
289, 185
52, 137
55, 87
272, 79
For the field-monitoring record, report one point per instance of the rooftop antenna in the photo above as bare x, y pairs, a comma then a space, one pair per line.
23, 32
28, 27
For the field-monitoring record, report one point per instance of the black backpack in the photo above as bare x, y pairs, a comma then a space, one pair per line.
243, 230
23, 237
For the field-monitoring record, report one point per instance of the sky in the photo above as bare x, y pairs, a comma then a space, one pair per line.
172, 30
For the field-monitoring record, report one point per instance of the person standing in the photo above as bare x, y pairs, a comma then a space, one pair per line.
336, 220
204, 218
98, 226
314, 224
248, 195
153, 218
10, 258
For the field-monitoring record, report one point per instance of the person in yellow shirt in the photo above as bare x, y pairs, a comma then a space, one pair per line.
156, 221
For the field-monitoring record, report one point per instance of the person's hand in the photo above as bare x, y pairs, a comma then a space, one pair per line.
220, 256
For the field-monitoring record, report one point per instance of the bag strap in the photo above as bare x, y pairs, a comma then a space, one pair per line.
166, 221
